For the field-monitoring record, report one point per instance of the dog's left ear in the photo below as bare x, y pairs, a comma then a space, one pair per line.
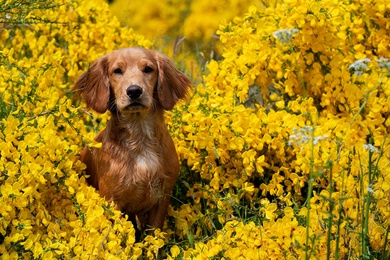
172, 84
94, 86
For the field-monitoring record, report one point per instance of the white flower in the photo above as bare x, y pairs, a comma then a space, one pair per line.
300, 136
370, 189
285, 35
319, 138
304, 135
384, 63
359, 66
371, 148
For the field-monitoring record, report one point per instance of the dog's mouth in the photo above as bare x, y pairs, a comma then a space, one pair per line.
135, 106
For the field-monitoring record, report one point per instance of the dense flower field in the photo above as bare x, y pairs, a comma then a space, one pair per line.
283, 143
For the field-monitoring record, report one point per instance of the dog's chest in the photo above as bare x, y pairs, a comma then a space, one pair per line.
143, 180
135, 174
147, 161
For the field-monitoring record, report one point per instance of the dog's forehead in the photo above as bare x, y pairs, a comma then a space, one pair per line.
131, 55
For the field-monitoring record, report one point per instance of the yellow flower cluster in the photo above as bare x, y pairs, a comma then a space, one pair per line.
46, 212
284, 144
290, 130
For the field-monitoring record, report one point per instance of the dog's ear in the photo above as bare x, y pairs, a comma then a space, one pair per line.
172, 84
94, 87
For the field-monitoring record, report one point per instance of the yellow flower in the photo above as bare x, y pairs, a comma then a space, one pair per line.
270, 211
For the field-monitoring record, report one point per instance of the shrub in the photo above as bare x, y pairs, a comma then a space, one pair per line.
288, 133
283, 144
45, 210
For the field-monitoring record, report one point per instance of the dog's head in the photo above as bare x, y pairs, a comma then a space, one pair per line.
132, 80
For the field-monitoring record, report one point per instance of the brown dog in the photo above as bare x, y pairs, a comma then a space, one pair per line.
137, 165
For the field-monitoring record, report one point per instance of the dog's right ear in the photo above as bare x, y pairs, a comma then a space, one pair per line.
172, 84
94, 87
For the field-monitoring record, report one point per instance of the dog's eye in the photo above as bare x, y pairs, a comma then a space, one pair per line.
147, 69
118, 71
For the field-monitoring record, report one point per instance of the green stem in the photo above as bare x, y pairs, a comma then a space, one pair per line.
331, 204
339, 220
309, 194
367, 200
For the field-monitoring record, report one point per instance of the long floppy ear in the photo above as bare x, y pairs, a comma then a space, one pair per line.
94, 87
172, 84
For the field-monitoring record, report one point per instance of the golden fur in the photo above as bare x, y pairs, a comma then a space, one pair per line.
137, 165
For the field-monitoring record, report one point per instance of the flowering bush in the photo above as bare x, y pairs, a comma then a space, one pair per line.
289, 134
45, 210
283, 144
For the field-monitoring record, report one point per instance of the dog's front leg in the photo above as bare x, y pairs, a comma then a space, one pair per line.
156, 216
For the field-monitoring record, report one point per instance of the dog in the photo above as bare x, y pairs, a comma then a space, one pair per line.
137, 165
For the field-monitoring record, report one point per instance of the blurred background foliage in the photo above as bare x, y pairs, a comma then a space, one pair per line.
183, 29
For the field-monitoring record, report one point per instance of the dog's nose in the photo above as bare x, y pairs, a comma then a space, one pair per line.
134, 91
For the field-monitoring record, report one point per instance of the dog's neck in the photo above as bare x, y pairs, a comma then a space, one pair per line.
136, 128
